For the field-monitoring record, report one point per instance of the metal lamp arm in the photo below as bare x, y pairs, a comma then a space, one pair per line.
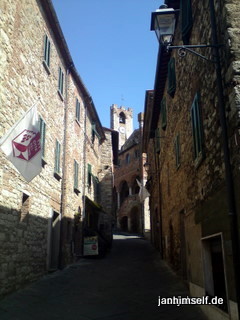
182, 50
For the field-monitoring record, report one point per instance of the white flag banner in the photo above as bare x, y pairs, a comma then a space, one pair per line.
143, 193
22, 145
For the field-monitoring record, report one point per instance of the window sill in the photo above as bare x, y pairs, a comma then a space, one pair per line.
60, 95
57, 176
46, 67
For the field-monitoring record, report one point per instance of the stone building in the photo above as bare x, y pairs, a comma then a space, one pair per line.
191, 136
131, 213
42, 221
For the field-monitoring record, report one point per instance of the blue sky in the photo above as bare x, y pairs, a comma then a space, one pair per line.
112, 48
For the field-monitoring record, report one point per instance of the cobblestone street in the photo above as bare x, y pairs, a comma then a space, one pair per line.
124, 285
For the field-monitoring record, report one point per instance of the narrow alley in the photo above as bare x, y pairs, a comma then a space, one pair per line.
124, 285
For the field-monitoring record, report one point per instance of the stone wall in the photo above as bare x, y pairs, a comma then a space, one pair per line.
25, 81
106, 174
31, 213
189, 212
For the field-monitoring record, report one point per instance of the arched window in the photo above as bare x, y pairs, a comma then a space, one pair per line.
137, 154
122, 118
128, 158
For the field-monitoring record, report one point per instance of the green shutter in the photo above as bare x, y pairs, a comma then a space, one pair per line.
94, 132
89, 174
47, 47
49, 50
187, 20
76, 169
77, 110
60, 80
171, 77
57, 157
62, 83
42, 125
197, 128
164, 114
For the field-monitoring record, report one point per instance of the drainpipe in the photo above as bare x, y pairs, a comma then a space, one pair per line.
84, 175
63, 183
228, 170
157, 165
84, 163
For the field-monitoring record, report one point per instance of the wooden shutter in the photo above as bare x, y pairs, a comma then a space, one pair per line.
197, 127
57, 157
77, 110
89, 174
187, 20
42, 125
164, 114
76, 169
171, 77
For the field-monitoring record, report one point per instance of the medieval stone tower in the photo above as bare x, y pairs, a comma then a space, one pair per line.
122, 121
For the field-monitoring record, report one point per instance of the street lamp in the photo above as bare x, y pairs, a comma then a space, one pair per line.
163, 23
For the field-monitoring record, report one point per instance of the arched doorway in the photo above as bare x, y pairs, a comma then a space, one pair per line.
135, 220
124, 223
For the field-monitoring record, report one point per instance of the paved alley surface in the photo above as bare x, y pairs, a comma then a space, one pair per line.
125, 285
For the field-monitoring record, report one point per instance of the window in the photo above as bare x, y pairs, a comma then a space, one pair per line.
122, 117
77, 115
164, 114
47, 47
76, 170
94, 132
60, 81
157, 140
137, 154
128, 158
57, 158
197, 128
89, 175
187, 20
171, 77
42, 128
177, 151
95, 186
